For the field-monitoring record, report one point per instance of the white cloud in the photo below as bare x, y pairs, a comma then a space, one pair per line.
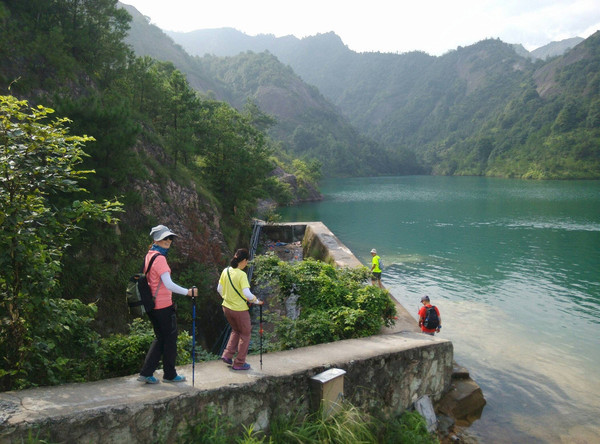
433, 26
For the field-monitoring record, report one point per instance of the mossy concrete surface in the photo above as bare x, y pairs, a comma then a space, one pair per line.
385, 372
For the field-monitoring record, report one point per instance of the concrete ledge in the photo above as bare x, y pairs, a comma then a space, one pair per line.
322, 244
318, 241
387, 373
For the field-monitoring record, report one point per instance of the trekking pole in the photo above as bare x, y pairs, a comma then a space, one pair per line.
193, 334
260, 332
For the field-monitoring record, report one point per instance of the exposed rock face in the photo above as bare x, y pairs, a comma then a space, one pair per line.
197, 222
183, 209
306, 193
546, 78
188, 214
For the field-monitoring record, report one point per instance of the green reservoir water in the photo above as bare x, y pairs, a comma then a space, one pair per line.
514, 267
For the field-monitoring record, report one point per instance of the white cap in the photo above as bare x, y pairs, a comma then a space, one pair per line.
374, 251
160, 232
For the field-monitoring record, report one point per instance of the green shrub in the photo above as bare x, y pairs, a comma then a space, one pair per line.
209, 427
317, 328
334, 302
121, 355
408, 428
62, 346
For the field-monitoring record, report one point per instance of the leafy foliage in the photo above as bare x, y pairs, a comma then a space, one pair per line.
38, 159
71, 56
335, 304
54, 45
348, 424
123, 354
63, 345
234, 157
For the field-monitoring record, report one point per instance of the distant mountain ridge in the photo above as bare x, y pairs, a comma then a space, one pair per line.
308, 124
554, 49
484, 109
226, 42
230, 42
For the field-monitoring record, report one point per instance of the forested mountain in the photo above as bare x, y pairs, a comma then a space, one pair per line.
148, 40
306, 124
96, 147
451, 111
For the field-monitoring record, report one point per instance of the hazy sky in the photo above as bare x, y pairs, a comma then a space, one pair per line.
433, 26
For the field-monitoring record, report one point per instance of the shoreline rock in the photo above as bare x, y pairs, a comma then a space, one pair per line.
459, 408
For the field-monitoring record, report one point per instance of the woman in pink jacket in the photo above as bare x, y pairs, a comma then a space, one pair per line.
163, 317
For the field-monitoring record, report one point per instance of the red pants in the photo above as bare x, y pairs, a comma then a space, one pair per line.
239, 340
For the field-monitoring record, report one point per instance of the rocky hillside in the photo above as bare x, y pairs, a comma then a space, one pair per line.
166, 154
307, 124
550, 78
555, 49
450, 112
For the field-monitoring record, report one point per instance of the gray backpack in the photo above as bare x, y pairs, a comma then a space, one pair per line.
139, 296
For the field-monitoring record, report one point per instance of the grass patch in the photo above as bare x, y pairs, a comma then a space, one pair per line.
349, 425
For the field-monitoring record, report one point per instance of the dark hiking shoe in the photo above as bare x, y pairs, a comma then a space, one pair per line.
245, 366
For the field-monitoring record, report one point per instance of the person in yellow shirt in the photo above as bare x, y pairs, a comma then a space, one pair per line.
234, 288
375, 270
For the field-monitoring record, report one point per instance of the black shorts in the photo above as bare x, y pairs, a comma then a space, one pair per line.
376, 275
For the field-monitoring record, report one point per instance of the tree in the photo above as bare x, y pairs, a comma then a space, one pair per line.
38, 160
46, 42
181, 108
110, 121
235, 157
567, 118
257, 117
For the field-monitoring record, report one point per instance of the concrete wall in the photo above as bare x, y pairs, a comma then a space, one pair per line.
386, 373
285, 232
318, 242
